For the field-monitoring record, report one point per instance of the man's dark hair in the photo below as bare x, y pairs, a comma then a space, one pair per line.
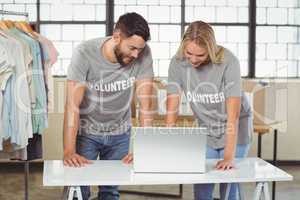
133, 24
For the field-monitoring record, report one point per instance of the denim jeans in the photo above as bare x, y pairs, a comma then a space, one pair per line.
205, 191
107, 147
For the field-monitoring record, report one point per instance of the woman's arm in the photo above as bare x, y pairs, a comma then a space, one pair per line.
173, 101
233, 106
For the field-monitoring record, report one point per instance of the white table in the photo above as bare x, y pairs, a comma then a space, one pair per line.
116, 173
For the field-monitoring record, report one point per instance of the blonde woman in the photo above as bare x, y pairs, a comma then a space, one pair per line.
209, 76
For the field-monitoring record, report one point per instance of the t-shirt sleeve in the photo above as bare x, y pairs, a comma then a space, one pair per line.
232, 78
145, 70
174, 78
78, 67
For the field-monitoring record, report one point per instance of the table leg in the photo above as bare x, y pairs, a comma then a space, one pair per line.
26, 168
274, 162
180, 190
72, 191
78, 192
259, 145
266, 191
258, 190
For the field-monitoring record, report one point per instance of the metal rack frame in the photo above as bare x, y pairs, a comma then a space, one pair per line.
13, 13
6, 12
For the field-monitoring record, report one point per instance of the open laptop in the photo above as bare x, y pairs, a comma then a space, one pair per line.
169, 150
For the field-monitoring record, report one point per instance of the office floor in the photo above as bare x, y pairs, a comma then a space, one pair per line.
12, 186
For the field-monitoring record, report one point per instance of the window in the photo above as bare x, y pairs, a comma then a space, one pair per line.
230, 24
235, 38
66, 37
221, 11
163, 44
277, 38
67, 23
72, 10
277, 28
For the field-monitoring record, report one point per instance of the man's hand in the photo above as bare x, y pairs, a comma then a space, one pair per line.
128, 159
75, 160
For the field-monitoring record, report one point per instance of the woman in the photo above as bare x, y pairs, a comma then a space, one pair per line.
209, 75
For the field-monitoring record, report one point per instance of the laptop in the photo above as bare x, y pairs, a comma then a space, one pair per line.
169, 150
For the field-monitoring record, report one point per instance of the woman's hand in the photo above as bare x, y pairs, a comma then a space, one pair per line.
225, 164
128, 159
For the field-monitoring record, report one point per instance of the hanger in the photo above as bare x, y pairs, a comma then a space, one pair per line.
23, 25
3, 25
9, 23
19, 26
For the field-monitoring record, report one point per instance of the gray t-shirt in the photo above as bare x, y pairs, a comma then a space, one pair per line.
206, 89
105, 108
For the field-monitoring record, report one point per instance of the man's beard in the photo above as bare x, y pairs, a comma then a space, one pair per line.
120, 56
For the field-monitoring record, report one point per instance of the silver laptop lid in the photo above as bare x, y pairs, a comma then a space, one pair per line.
169, 150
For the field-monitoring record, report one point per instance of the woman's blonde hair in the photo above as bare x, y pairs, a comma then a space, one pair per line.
203, 35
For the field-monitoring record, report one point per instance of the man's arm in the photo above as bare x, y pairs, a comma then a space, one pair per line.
75, 93
144, 93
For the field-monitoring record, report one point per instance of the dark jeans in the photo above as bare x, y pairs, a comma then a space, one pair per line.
107, 147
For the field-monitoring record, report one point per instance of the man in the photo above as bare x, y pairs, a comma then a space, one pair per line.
100, 84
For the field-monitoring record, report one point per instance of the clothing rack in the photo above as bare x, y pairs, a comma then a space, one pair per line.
26, 162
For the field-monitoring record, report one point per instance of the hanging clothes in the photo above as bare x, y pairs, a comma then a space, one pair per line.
16, 113
39, 111
24, 63
50, 58
6, 71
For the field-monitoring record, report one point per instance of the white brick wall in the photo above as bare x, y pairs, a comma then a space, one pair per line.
265, 34
277, 51
277, 16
